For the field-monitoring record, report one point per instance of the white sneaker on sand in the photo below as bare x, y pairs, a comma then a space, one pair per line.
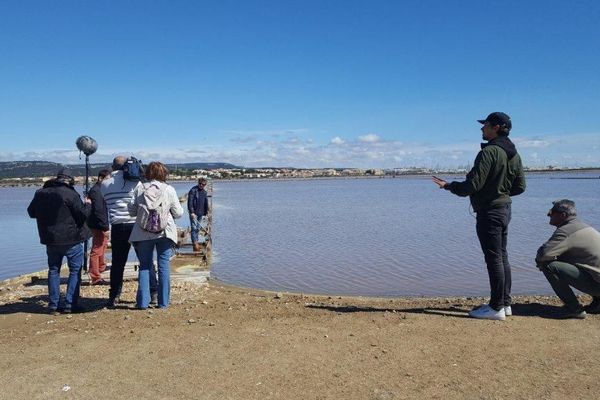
579, 314
507, 311
487, 312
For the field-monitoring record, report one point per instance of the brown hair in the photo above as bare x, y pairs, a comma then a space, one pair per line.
103, 174
157, 170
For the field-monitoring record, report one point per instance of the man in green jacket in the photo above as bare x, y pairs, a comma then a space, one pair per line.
497, 174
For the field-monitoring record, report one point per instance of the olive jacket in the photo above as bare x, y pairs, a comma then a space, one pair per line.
497, 174
573, 242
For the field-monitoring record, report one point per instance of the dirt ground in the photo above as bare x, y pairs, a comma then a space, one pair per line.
219, 342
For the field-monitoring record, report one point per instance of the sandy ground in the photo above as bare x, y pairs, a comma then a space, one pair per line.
219, 342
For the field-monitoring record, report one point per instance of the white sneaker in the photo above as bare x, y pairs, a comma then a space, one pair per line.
487, 312
507, 311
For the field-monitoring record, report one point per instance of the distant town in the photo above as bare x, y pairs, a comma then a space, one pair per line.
293, 173
219, 171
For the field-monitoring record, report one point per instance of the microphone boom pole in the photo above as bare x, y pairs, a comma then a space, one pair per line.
87, 146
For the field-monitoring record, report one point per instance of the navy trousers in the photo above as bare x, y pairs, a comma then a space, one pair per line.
492, 231
119, 240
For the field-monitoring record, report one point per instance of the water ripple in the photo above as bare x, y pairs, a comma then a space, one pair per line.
369, 237
388, 237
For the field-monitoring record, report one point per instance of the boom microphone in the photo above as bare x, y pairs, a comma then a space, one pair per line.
87, 145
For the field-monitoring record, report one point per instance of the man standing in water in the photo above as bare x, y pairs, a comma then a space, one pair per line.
197, 208
497, 174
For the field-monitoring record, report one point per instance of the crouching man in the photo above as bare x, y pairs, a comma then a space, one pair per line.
61, 217
571, 258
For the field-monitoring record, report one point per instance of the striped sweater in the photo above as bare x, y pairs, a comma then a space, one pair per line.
117, 193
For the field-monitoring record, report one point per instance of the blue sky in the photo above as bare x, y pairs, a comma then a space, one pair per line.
299, 83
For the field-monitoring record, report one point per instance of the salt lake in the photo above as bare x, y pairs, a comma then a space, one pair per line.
368, 237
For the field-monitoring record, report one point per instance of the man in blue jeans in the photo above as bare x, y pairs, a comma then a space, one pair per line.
571, 257
61, 217
497, 174
197, 208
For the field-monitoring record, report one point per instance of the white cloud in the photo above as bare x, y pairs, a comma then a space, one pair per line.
293, 140
532, 143
337, 141
244, 138
298, 151
369, 138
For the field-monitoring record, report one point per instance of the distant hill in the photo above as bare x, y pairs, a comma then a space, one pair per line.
22, 169
37, 169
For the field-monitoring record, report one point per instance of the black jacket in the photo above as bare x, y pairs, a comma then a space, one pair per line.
60, 214
197, 202
99, 216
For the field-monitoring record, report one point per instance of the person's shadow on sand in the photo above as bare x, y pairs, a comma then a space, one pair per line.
519, 310
39, 305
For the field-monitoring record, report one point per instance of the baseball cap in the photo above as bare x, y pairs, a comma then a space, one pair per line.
497, 118
65, 175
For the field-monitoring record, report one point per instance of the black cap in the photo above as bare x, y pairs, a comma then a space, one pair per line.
64, 175
497, 118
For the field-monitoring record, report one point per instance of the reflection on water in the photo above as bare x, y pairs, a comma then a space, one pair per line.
372, 237
376, 237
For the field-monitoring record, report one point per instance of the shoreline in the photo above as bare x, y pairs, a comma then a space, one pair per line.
22, 283
38, 182
26, 279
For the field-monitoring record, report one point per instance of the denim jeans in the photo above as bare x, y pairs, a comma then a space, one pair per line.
562, 275
194, 229
145, 253
74, 254
492, 231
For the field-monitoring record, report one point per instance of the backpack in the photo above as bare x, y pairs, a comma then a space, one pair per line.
153, 209
133, 170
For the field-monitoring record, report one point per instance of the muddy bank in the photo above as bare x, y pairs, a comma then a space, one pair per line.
219, 342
